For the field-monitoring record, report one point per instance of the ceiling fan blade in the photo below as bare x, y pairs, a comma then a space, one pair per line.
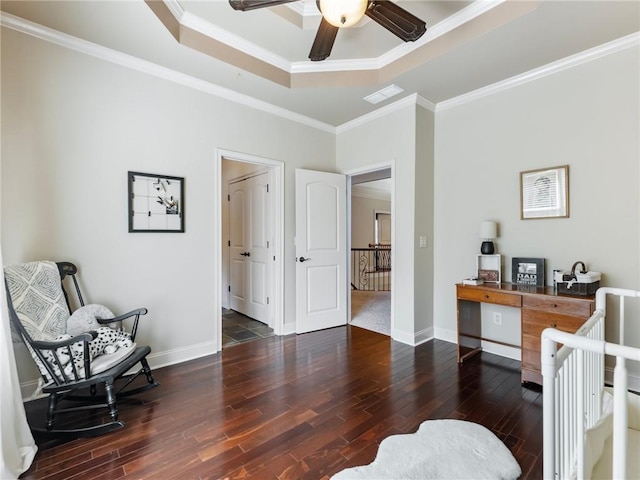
396, 19
323, 42
245, 5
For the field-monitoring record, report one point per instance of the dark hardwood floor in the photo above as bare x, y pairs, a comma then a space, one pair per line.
300, 407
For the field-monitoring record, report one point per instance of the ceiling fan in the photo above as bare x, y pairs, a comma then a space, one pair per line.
338, 14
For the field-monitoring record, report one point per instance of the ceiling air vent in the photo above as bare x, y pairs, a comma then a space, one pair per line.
383, 94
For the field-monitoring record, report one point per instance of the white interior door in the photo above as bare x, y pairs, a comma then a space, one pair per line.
321, 256
249, 247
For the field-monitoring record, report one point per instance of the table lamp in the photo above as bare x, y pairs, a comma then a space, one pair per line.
488, 231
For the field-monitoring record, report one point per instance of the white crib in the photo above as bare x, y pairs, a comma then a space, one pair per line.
587, 432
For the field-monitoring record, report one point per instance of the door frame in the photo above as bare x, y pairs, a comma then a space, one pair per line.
350, 174
276, 172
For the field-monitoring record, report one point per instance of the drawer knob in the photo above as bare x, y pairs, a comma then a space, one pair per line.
555, 305
554, 325
486, 296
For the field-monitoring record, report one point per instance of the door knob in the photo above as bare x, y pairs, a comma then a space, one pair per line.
246, 254
302, 259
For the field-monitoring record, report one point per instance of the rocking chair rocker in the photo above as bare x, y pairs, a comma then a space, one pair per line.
72, 359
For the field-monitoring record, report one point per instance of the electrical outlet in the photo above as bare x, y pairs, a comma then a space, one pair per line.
497, 318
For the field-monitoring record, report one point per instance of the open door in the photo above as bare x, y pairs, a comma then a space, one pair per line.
321, 250
249, 247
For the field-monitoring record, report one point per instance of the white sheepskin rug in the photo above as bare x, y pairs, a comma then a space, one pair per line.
442, 449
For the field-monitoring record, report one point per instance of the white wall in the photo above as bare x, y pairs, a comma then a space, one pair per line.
423, 255
363, 219
382, 141
586, 117
72, 126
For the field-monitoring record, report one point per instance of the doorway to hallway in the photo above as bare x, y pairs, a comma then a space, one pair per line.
250, 252
371, 226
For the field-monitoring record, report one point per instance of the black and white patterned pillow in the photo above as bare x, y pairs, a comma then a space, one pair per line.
107, 342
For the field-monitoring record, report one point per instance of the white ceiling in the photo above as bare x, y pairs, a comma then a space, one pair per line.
468, 45
376, 189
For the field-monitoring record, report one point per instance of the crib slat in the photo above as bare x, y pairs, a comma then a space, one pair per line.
581, 412
620, 419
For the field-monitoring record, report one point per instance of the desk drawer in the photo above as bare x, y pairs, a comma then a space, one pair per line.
535, 321
566, 306
487, 296
531, 360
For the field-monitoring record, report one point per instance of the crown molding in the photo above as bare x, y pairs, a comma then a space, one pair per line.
594, 53
461, 17
379, 113
200, 34
208, 29
134, 63
176, 9
424, 103
73, 43
413, 99
447, 25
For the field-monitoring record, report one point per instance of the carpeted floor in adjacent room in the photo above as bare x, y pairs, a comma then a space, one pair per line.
371, 310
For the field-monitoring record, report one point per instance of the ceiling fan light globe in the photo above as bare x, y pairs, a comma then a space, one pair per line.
343, 13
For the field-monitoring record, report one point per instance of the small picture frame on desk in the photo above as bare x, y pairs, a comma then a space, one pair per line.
527, 271
488, 268
489, 276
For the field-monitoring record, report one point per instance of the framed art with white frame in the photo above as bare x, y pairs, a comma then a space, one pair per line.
156, 203
544, 193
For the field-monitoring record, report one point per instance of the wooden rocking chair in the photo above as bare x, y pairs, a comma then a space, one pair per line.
82, 367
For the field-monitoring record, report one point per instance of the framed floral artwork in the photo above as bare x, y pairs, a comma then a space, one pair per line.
156, 203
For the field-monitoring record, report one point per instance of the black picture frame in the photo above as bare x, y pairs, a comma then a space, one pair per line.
527, 271
155, 203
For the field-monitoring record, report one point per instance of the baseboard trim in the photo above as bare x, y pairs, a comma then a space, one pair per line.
156, 360
489, 347
502, 350
412, 339
27, 389
445, 334
184, 354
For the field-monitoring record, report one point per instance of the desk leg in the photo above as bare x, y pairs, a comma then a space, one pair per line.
469, 329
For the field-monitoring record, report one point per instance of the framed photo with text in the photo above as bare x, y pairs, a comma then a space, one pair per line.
156, 203
527, 271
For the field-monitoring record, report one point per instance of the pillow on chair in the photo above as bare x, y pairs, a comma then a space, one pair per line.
84, 319
112, 345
